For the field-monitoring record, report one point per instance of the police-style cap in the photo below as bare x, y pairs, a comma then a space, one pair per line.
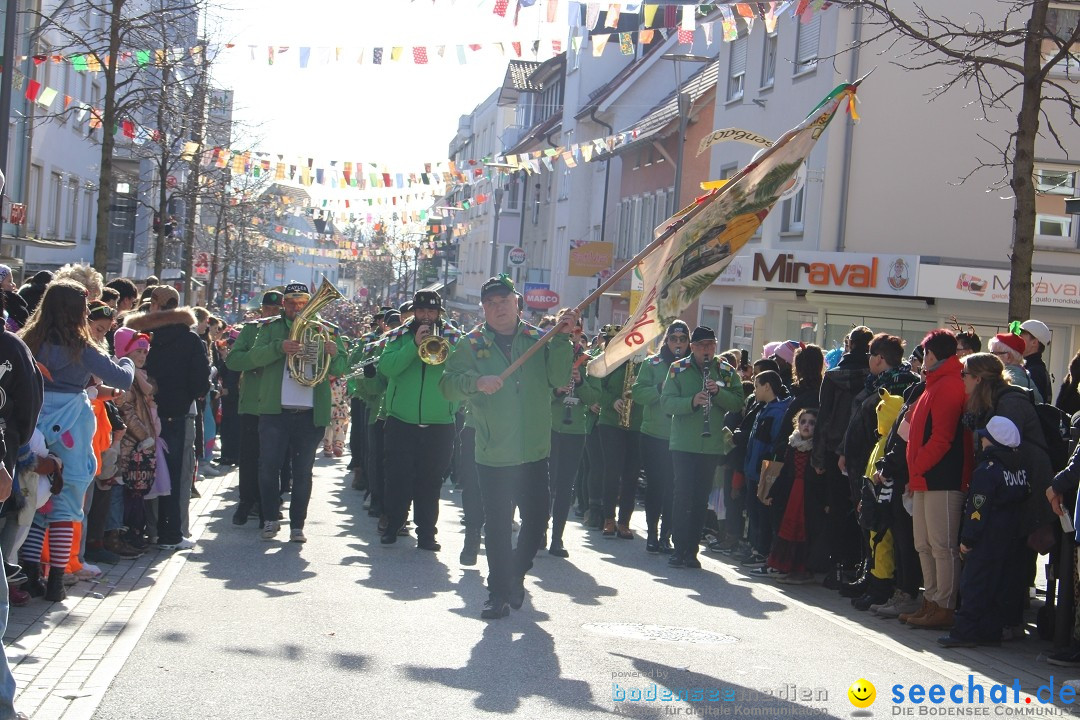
702, 333
610, 331
501, 285
271, 297
392, 318
426, 299
1001, 431
405, 307
297, 291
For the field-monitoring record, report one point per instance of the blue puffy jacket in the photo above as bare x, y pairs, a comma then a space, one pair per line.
767, 428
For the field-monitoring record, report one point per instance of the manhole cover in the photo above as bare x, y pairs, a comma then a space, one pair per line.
659, 633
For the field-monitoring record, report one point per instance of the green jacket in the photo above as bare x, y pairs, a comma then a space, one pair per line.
647, 389
684, 381
250, 380
412, 392
513, 425
268, 355
611, 389
579, 413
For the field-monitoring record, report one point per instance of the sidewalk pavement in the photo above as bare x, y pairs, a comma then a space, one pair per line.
64, 655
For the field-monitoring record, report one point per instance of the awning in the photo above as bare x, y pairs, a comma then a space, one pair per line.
37, 242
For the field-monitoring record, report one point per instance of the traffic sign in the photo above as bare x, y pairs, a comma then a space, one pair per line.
516, 256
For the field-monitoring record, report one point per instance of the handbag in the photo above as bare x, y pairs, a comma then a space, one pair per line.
162, 481
140, 470
770, 471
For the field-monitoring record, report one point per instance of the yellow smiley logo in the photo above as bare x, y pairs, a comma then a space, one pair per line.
862, 693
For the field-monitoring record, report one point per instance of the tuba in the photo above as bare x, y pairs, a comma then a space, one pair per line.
310, 366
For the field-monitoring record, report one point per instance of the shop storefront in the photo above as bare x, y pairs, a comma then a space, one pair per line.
819, 296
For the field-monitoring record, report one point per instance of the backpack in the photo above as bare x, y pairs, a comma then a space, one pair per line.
1057, 430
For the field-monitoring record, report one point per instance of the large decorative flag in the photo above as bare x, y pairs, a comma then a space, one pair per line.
704, 237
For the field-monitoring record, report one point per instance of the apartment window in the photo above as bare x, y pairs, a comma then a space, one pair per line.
1053, 227
1068, 66
564, 182
807, 36
512, 198
73, 211
635, 227
597, 236
768, 61
1056, 180
1061, 22
791, 219
35, 199
56, 200
90, 210
624, 229
737, 69
648, 203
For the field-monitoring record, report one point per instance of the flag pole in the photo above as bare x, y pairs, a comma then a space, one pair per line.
685, 216
682, 218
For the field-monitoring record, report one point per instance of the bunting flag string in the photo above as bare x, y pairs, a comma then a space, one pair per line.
306, 57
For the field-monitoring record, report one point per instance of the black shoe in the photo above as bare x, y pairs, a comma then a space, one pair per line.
558, 550
1065, 658
948, 641
692, 562
240, 517
101, 555
676, 561
652, 546
495, 609
665, 546
428, 544
15, 575
34, 584
863, 602
855, 589
388, 538
517, 595
472, 547
54, 591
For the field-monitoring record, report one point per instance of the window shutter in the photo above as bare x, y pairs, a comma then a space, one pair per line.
738, 56
807, 51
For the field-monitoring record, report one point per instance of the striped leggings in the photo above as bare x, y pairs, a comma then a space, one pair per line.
60, 537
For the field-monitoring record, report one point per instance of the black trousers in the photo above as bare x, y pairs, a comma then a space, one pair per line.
594, 451
357, 433
503, 488
908, 576
693, 482
566, 452
988, 572
176, 433
249, 463
292, 435
845, 536
622, 462
416, 462
229, 433
659, 485
374, 467
472, 504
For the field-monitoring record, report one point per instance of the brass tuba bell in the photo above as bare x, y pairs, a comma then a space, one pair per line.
311, 365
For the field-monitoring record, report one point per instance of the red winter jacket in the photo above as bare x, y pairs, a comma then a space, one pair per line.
939, 449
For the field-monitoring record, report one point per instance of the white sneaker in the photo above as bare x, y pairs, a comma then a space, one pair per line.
888, 603
88, 572
184, 544
208, 470
270, 529
297, 536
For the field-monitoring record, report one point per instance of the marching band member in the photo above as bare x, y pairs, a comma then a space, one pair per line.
420, 428
655, 436
292, 417
569, 427
250, 386
618, 428
513, 439
690, 395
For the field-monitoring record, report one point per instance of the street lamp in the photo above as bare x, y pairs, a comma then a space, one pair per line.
683, 103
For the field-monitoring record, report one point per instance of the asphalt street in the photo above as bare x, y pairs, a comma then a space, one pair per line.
343, 627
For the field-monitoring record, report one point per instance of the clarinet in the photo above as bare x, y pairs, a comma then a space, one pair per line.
706, 431
570, 401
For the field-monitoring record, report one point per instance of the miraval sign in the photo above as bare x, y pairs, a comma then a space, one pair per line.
833, 272
989, 285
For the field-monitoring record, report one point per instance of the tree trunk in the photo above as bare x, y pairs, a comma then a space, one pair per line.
1023, 168
108, 143
212, 280
163, 209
